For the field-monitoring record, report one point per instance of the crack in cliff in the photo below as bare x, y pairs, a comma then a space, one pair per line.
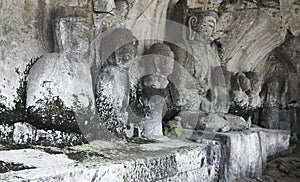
142, 12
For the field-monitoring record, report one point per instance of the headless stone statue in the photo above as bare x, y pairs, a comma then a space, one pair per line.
59, 84
272, 91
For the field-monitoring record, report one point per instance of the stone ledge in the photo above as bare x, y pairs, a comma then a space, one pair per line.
22, 133
245, 153
172, 160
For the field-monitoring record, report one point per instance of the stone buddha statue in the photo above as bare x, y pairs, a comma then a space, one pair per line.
112, 85
202, 57
154, 89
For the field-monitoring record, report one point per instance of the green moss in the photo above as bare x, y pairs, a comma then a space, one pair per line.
53, 114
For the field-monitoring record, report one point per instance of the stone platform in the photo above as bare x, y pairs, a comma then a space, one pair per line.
104, 161
245, 153
229, 157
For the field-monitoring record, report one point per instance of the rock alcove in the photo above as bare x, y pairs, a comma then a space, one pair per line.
135, 90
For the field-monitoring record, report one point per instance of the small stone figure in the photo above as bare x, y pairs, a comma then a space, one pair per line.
245, 89
112, 87
154, 88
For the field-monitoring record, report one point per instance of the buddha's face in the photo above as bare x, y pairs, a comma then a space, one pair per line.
208, 26
156, 81
164, 65
125, 53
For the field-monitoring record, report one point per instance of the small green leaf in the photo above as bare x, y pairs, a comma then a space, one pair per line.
167, 132
172, 123
175, 132
178, 131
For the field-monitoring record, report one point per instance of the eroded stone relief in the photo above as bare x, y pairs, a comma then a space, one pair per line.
102, 79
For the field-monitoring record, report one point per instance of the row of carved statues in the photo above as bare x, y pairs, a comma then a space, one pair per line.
129, 94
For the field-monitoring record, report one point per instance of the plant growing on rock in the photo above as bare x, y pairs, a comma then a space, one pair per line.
174, 130
10, 116
53, 114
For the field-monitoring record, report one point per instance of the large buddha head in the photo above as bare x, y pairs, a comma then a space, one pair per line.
203, 25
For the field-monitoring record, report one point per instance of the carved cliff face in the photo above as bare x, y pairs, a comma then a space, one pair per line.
251, 30
202, 25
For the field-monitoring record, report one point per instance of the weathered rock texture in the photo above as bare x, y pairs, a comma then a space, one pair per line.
244, 154
26, 134
279, 95
244, 46
244, 33
175, 161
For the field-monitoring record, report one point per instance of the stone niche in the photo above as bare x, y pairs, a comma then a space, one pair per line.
278, 95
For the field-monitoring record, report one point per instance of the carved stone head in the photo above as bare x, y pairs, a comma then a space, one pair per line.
155, 81
208, 26
160, 64
203, 24
118, 47
162, 57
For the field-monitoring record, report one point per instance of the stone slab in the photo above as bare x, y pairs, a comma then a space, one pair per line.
245, 153
168, 161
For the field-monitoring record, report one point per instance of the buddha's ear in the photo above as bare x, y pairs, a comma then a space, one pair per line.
192, 23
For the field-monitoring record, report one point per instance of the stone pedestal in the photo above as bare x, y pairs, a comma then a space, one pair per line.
245, 153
